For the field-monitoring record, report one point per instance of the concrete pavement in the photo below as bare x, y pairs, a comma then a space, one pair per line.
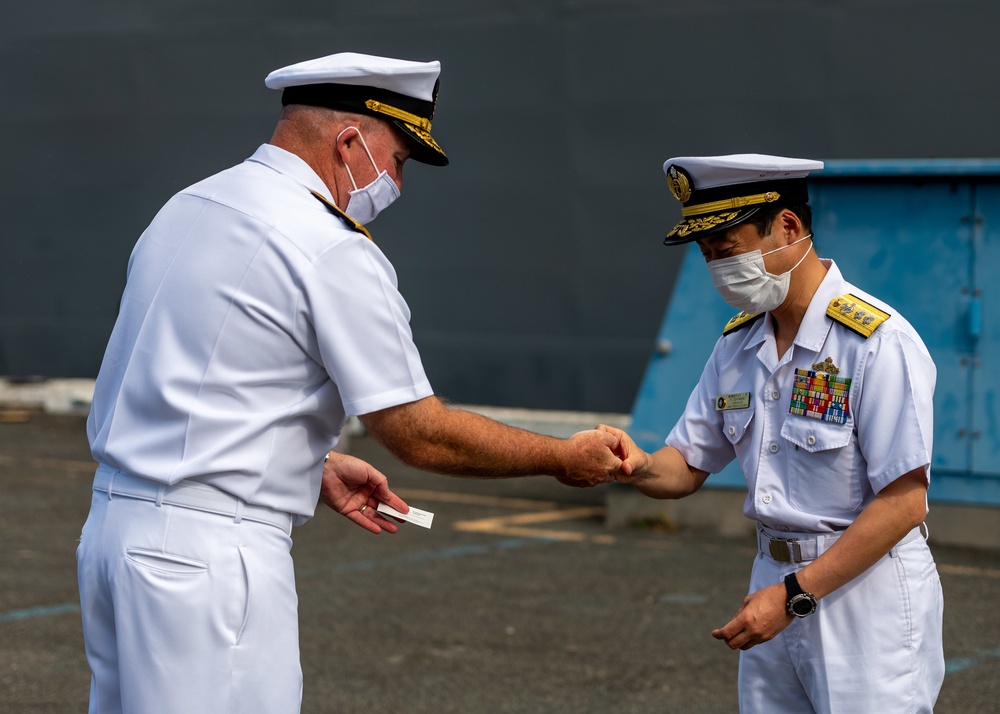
519, 599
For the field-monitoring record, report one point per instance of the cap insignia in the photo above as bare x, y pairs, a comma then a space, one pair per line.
680, 184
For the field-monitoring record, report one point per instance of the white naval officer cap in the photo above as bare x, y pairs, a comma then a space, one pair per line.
718, 192
402, 92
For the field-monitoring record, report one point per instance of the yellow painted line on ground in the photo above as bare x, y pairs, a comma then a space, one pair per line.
562, 514
516, 525
15, 416
542, 533
968, 570
549, 534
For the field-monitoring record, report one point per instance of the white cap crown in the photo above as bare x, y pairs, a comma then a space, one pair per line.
411, 79
718, 192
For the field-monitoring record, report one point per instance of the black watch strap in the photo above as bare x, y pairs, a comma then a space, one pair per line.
798, 602
792, 587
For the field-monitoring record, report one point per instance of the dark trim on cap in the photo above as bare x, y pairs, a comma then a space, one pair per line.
354, 98
724, 207
689, 230
791, 191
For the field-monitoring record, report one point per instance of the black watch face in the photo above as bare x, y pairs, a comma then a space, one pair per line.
802, 606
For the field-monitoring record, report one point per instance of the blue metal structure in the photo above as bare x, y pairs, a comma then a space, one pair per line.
923, 235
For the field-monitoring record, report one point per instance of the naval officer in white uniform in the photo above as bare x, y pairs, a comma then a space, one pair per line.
258, 314
824, 394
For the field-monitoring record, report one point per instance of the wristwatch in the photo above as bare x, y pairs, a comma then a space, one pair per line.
800, 603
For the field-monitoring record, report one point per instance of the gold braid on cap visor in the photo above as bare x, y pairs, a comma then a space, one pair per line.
696, 225
418, 125
730, 203
389, 110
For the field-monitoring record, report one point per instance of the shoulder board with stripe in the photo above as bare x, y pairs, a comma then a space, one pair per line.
857, 314
740, 320
351, 223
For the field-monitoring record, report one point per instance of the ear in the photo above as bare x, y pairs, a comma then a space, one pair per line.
788, 226
345, 135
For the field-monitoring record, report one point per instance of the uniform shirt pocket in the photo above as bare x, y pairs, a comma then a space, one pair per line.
736, 423
822, 465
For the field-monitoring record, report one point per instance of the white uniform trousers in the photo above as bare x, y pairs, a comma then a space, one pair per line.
187, 612
872, 647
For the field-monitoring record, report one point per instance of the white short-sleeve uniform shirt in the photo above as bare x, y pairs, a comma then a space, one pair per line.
803, 473
253, 322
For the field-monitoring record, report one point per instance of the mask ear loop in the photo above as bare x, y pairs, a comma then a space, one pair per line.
810, 235
804, 255
365, 145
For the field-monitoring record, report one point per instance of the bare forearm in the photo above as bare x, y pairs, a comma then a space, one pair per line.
473, 445
430, 436
667, 475
898, 509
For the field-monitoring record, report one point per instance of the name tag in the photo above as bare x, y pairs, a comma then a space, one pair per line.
739, 400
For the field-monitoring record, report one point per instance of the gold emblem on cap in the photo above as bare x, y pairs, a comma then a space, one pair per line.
680, 184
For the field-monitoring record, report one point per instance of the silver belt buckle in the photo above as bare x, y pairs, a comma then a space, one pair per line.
785, 551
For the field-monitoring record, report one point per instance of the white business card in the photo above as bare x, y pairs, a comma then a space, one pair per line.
416, 516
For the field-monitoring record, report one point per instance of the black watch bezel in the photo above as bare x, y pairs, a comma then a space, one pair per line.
799, 603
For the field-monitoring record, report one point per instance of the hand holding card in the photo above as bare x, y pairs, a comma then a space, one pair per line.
415, 516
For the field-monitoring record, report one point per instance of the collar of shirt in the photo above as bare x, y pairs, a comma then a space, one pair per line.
288, 164
814, 328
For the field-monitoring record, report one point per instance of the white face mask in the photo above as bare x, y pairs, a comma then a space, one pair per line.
744, 282
366, 203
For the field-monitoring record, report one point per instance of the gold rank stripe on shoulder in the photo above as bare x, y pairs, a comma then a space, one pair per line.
353, 224
740, 319
860, 316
